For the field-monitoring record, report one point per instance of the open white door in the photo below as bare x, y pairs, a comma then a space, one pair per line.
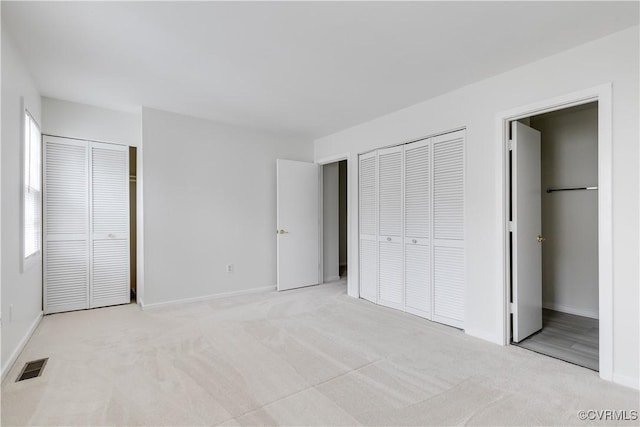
527, 227
297, 228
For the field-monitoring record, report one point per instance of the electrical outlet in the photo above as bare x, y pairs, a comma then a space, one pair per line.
229, 268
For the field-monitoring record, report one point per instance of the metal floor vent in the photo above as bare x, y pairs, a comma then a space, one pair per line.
32, 369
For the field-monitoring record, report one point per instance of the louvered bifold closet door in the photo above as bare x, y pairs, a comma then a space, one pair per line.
110, 224
390, 235
66, 224
417, 215
448, 229
368, 223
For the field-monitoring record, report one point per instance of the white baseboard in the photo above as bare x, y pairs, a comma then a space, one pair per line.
570, 310
21, 345
331, 279
626, 381
206, 297
484, 335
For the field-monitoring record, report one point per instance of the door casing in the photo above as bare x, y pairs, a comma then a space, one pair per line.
603, 95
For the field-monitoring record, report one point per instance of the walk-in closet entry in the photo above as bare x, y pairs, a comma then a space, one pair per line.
411, 227
334, 221
554, 234
86, 224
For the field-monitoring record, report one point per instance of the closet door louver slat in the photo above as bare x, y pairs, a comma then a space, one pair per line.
367, 196
448, 229
390, 224
411, 201
66, 225
110, 230
417, 214
448, 189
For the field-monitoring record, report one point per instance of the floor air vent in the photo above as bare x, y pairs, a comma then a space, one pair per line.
32, 369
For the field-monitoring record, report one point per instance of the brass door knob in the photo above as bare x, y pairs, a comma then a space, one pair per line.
282, 231
540, 238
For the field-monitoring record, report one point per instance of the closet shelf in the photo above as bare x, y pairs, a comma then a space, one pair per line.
552, 190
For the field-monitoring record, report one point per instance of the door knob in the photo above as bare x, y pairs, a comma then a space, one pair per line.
414, 241
388, 239
282, 231
540, 238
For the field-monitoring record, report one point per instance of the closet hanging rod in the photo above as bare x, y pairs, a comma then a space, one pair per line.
551, 190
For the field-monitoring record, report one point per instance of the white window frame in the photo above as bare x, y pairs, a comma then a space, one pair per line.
34, 258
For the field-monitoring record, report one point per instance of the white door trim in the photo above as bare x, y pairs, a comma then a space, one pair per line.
352, 282
602, 94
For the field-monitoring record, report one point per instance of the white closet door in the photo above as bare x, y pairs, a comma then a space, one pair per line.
390, 225
448, 229
417, 214
110, 224
66, 224
368, 207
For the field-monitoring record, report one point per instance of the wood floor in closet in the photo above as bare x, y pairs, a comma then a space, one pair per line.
567, 337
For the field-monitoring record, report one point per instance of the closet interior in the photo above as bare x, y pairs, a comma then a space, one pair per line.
569, 320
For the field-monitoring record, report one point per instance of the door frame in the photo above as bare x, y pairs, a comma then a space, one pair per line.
603, 95
139, 214
321, 162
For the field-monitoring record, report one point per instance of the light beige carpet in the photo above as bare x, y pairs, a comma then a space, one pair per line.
305, 357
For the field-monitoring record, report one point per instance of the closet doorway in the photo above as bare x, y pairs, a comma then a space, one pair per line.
334, 222
133, 247
553, 234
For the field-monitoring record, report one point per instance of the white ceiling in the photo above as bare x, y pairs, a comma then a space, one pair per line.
300, 67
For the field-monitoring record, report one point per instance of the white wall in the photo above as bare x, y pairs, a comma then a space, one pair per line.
210, 200
570, 218
610, 59
330, 223
73, 120
21, 289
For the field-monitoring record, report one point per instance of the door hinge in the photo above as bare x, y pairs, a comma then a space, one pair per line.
510, 225
510, 308
510, 145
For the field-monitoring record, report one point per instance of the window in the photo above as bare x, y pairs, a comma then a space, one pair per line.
32, 190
